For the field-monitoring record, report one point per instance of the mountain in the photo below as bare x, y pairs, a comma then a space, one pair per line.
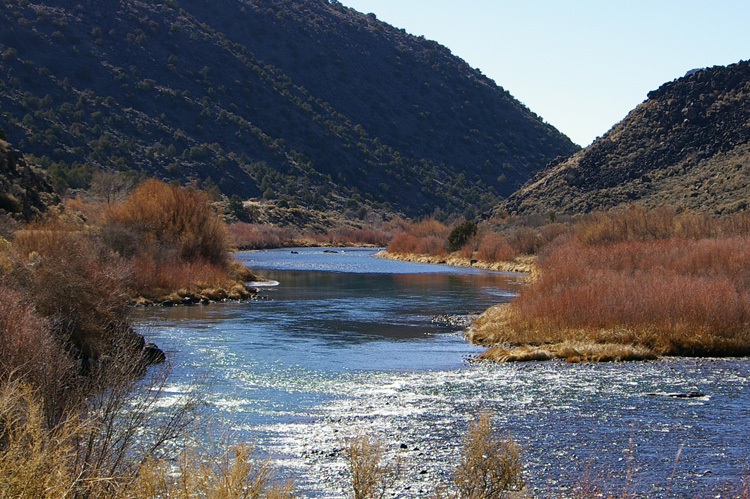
687, 145
305, 100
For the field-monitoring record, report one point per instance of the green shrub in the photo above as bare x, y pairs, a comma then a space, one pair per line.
461, 234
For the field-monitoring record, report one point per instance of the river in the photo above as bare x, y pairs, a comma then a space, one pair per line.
348, 343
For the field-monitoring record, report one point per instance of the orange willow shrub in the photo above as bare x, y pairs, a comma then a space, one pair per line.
683, 288
494, 248
258, 236
426, 237
168, 222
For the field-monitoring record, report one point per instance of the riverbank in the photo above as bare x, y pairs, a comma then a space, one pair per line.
234, 287
630, 285
522, 264
627, 300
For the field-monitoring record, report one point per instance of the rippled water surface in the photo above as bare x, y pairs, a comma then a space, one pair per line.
346, 343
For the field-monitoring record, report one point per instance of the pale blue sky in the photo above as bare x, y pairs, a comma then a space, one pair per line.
581, 65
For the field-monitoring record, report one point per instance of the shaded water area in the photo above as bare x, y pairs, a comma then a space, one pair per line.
347, 343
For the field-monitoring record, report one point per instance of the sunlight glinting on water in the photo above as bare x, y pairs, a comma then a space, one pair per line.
332, 354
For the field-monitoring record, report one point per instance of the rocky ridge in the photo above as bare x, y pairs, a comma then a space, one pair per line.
687, 145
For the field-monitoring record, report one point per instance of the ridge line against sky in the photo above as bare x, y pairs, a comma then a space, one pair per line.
580, 65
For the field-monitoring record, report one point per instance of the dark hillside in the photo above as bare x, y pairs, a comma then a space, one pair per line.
687, 146
301, 99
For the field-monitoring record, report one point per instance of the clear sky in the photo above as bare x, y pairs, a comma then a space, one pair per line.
581, 65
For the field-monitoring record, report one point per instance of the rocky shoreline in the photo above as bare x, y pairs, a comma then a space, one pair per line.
184, 297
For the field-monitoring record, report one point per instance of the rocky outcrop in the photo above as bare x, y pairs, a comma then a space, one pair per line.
24, 193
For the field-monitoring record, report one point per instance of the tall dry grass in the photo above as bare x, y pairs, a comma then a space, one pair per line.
232, 473
674, 296
370, 476
491, 466
35, 461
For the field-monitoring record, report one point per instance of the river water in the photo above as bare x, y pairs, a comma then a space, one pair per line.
347, 343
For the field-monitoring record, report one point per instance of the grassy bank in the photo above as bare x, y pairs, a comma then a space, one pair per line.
522, 264
631, 285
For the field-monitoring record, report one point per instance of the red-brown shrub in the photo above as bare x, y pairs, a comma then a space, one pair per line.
29, 350
170, 221
75, 283
429, 227
372, 237
677, 286
409, 243
426, 237
157, 279
257, 236
495, 248
469, 248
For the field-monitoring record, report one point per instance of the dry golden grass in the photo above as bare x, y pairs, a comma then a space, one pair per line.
570, 351
522, 264
371, 478
230, 474
491, 466
34, 461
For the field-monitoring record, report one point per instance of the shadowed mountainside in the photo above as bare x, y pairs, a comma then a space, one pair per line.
300, 99
686, 146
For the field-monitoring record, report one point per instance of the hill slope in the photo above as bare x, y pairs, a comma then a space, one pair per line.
304, 99
687, 146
